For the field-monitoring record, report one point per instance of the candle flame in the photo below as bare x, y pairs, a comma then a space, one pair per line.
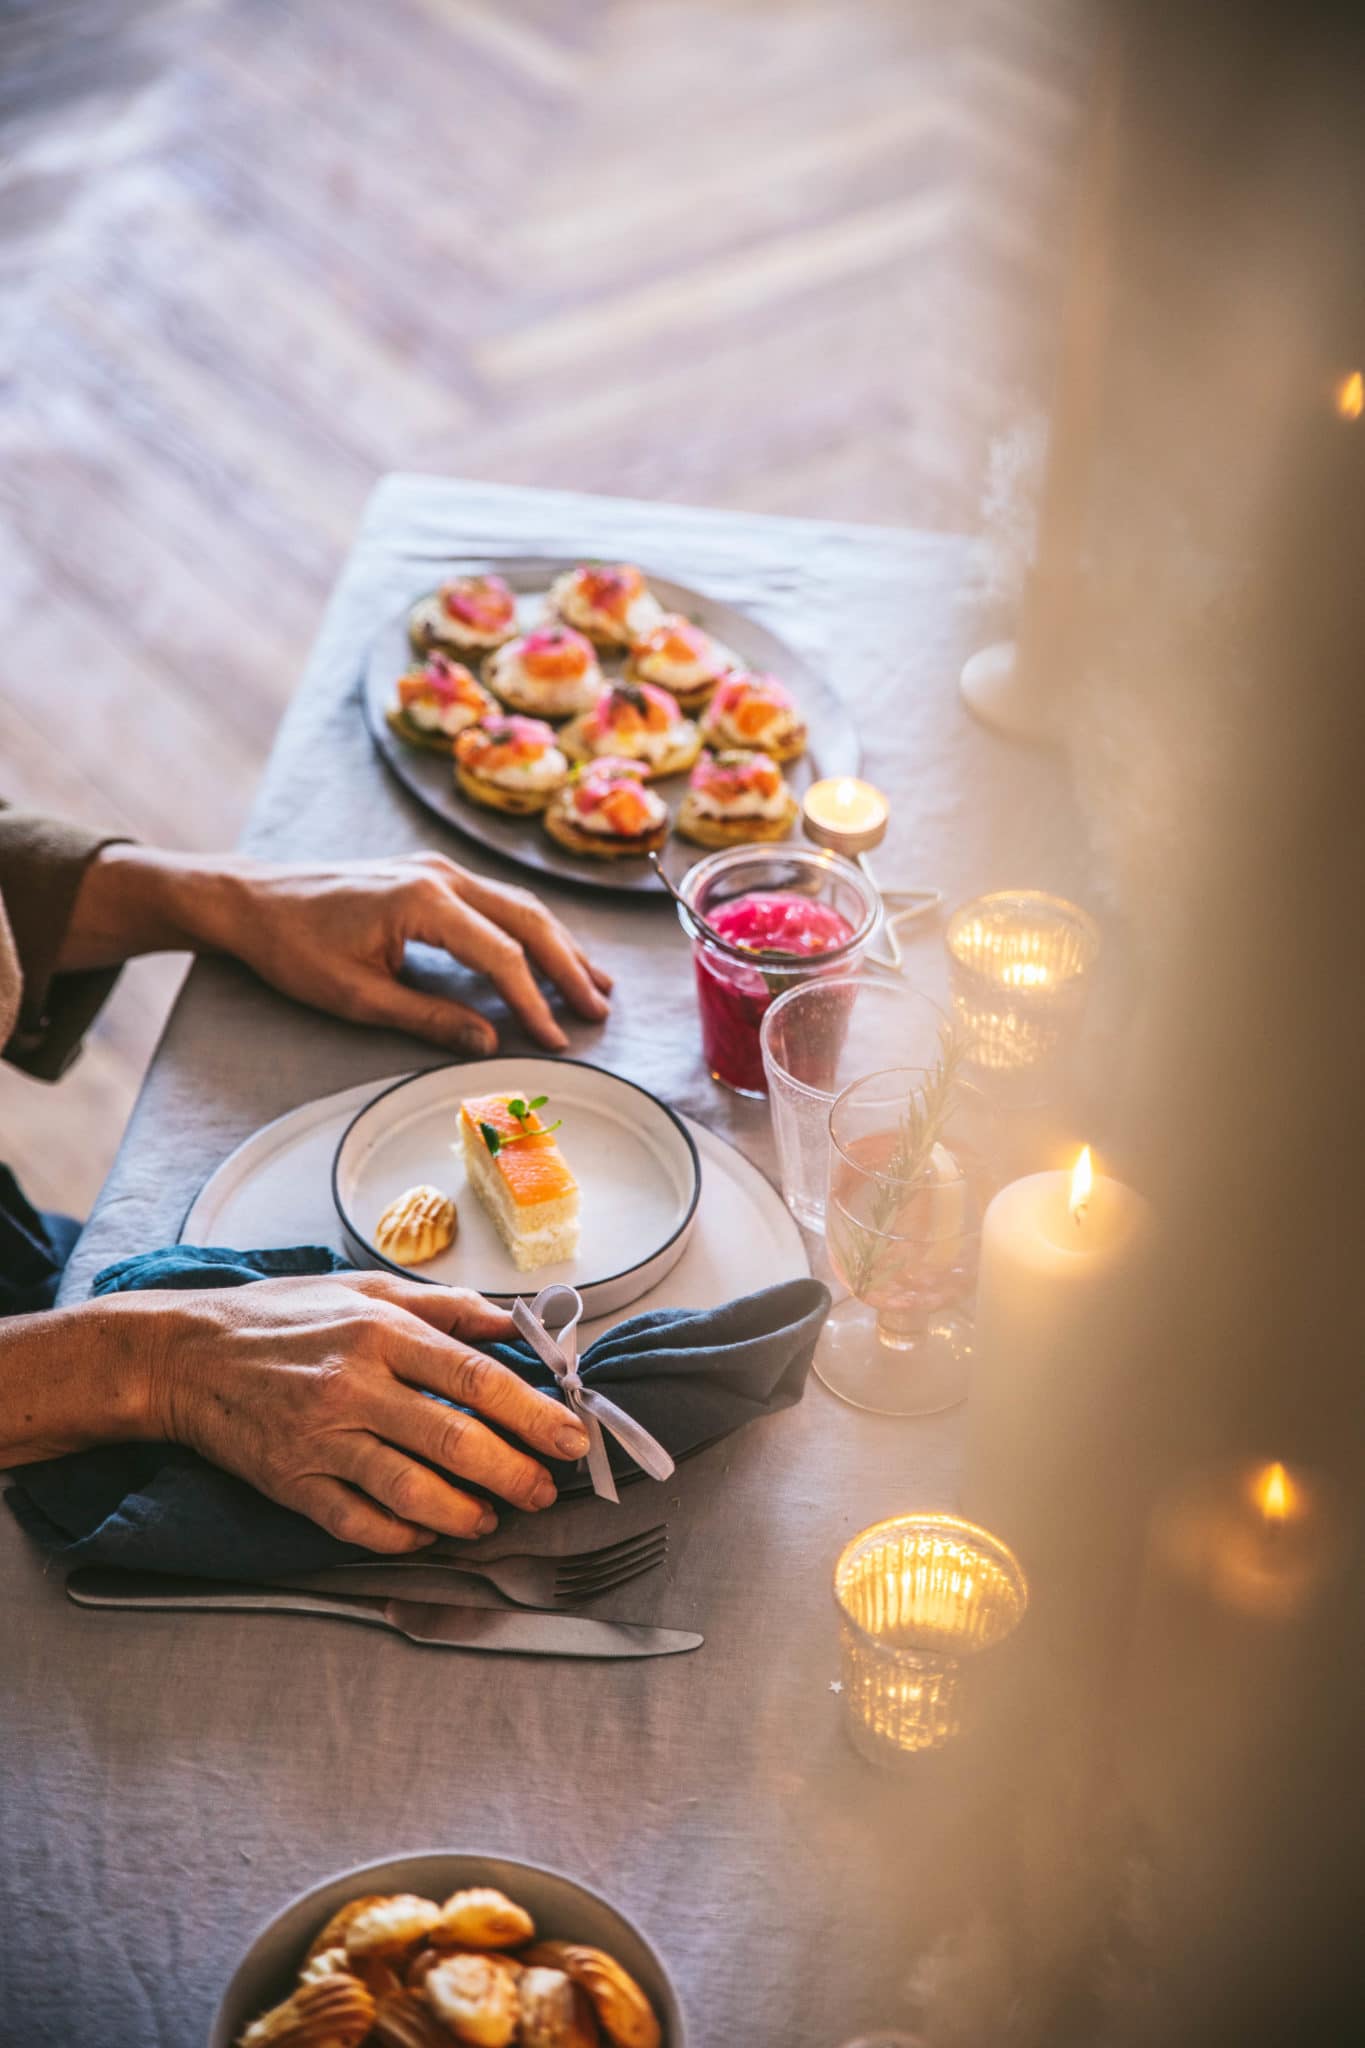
846, 794
1275, 1494
1082, 1184
1351, 396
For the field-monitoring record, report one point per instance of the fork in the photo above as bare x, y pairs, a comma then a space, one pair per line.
549, 1581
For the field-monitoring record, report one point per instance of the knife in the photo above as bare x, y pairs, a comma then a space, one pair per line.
526, 1633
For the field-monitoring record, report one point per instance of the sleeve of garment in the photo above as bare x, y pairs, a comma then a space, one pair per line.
42, 861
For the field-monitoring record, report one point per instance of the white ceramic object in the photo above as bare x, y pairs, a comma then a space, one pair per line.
275, 1189
562, 1909
634, 1160
994, 690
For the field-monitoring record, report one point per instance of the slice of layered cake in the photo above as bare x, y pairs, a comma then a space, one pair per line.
522, 1178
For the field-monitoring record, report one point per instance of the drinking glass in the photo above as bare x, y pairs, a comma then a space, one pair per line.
817, 1038
735, 982
903, 1231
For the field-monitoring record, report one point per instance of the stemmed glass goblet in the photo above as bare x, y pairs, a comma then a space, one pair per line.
911, 1172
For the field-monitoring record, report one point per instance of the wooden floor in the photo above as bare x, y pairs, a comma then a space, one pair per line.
790, 255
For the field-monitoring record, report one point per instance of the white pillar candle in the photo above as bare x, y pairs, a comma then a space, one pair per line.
1061, 1254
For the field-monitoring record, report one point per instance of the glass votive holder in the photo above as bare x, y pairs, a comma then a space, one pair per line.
921, 1598
1019, 969
767, 919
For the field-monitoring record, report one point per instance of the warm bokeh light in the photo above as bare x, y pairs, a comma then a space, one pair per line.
1274, 1494
1082, 1183
1351, 396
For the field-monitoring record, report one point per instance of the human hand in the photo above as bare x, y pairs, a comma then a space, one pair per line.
332, 934
311, 1390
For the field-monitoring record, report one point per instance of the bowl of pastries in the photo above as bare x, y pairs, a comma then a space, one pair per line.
441, 1948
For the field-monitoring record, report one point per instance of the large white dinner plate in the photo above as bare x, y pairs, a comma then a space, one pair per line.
832, 750
275, 1189
636, 1166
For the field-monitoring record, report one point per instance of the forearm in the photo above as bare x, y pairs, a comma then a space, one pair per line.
80, 1376
135, 899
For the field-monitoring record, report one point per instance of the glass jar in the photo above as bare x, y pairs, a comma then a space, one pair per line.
786, 916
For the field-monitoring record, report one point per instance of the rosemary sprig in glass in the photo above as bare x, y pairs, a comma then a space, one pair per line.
865, 1243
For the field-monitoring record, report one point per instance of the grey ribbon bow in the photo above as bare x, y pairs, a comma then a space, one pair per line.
550, 1326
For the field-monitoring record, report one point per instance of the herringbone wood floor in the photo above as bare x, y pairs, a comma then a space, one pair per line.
789, 255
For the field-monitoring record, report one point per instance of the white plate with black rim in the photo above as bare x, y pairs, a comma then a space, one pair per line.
637, 1168
832, 750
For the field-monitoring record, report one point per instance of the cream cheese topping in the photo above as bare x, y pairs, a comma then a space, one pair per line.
747, 803
447, 718
643, 745
546, 773
560, 697
683, 675
779, 727
596, 820
639, 615
430, 616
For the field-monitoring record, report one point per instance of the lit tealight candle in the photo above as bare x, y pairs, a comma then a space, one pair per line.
1061, 1256
1019, 966
844, 814
920, 1597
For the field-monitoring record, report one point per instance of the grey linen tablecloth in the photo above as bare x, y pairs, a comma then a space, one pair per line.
170, 1780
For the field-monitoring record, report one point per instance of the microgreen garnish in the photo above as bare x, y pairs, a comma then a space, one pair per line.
518, 1107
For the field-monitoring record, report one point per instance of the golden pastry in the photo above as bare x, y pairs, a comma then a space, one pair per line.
609, 601
681, 659
482, 1918
607, 814
389, 1927
475, 1999
752, 710
380, 1979
635, 722
416, 1227
436, 702
466, 616
551, 673
332, 2012
333, 1933
555, 2012
510, 764
735, 797
626, 2015
330, 1962
407, 2021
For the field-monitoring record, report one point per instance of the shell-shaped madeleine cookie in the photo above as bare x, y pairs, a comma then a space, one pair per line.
331, 2012
555, 2012
624, 2013
475, 1999
416, 1227
390, 1926
483, 1918
407, 2021
333, 1933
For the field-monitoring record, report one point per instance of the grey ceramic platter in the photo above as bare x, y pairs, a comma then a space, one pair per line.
833, 748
